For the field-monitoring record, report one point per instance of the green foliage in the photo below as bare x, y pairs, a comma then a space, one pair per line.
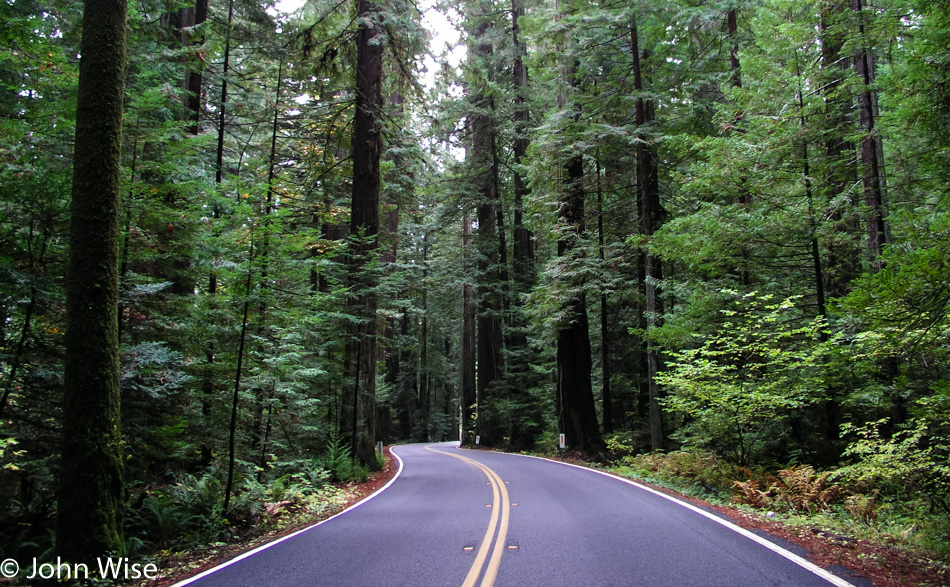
340, 464
738, 387
914, 460
799, 489
187, 512
690, 468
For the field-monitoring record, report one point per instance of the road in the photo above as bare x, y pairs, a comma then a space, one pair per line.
459, 517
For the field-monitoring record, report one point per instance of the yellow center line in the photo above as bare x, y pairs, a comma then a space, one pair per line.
499, 494
492, 570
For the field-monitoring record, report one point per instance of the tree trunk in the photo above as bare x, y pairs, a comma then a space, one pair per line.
223, 106
524, 421
578, 413
91, 488
872, 165
236, 396
364, 222
522, 237
605, 399
484, 168
648, 196
732, 24
844, 259
468, 382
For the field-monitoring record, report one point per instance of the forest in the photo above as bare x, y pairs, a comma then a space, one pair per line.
244, 245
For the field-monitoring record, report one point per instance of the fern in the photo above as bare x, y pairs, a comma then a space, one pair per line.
750, 494
799, 489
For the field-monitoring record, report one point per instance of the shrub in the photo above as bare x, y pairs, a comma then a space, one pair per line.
799, 489
701, 468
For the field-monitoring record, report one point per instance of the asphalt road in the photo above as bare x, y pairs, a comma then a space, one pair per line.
459, 517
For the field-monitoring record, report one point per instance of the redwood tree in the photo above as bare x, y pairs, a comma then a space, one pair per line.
364, 222
91, 493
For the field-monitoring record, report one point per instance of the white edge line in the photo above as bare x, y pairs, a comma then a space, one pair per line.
262, 547
804, 563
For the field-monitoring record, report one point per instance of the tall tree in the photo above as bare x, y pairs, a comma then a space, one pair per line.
468, 385
871, 153
364, 221
578, 415
91, 495
648, 198
484, 169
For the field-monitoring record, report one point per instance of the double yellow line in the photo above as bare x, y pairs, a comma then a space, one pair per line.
500, 514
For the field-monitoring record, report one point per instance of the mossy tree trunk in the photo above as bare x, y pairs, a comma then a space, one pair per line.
489, 234
574, 365
364, 222
648, 201
91, 491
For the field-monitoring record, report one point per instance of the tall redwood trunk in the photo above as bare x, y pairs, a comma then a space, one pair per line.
523, 250
490, 290
364, 224
844, 259
468, 385
578, 412
732, 24
91, 488
648, 199
872, 165
525, 418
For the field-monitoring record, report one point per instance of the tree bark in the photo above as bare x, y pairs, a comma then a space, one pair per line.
524, 422
844, 259
490, 285
872, 165
522, 237
91, 488
364, 222
578, 413
648, 196
223, 106
732, 24
468, 385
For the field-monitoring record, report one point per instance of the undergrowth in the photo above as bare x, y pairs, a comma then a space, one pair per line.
167, 524
799, 495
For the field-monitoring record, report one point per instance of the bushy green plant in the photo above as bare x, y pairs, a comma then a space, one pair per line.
546, 443
741, 383
693, 467
338, 460
619, 445
185, 513
913, 461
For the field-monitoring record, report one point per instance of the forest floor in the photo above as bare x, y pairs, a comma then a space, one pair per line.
175, 567
885, 565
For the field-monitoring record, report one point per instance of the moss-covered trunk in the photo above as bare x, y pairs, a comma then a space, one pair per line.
91, 494
364, 222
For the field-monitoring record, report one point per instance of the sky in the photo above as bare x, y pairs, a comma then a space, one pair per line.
444, 40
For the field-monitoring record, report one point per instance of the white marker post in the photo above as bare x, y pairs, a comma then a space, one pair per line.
561, 441
478, 439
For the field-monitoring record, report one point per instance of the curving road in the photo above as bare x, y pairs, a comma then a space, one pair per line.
457, 517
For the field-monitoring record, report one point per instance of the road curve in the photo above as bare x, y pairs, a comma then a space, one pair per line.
458, 517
